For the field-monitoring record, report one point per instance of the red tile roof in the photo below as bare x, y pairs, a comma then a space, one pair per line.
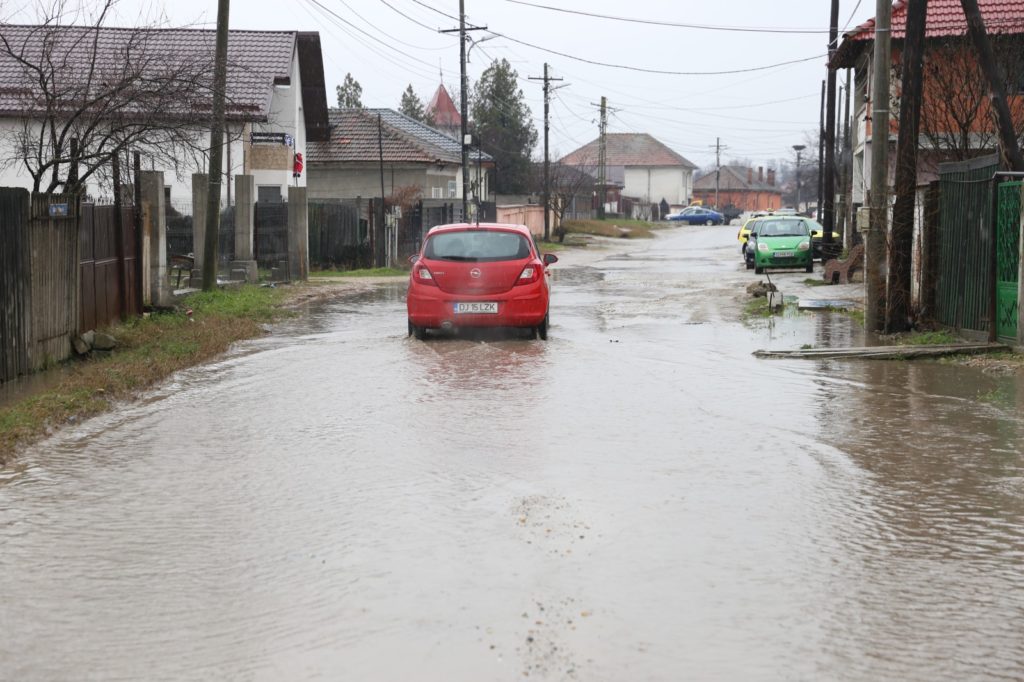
627, 149
443, 110
354, 139
945, 18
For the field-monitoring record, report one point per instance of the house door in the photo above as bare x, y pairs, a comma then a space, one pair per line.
1008, 259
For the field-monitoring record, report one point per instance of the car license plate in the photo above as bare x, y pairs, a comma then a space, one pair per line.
783, 254
486, 308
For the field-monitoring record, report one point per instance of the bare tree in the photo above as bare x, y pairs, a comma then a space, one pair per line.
957, 119
85, 93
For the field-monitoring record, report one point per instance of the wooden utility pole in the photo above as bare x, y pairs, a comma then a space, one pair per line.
464, 103
547, 159
897, 295
119, 246
875, 238
829, 206
602, 158
997, 91
381, 228
220, 77
821, 152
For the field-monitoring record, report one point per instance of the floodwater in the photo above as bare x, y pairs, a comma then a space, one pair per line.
636, 499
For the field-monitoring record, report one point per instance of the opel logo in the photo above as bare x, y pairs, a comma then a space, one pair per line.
475, 273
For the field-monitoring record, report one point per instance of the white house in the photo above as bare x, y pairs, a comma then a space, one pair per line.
276, 103
650, 170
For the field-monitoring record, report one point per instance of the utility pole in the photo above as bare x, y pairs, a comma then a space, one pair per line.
829, 212
381, 231
798, 148
875, 238
1007, 137
602, 158
897, 296
220, 77
821, 152
718, 168
847, 163
547, 159
463, 105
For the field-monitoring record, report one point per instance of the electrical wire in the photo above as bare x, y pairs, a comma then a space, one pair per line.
671, 24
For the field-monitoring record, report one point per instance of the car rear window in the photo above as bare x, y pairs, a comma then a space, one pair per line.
783, 228
477, 245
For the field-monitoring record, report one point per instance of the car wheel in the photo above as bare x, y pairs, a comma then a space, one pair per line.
542, 329
709, 222
750, 265
758, 270
419, 332
810, 267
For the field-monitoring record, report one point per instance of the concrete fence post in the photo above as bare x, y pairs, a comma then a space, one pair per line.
156, 288
298, 234
245, 198
200, 190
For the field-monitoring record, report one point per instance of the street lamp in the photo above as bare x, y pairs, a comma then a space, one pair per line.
798, 148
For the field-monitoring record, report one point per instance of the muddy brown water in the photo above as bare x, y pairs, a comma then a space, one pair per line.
637, 498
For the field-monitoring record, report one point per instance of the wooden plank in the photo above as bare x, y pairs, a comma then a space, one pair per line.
884, 352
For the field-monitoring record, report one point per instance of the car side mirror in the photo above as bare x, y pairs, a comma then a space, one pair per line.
414, 257
753, 235
550, 258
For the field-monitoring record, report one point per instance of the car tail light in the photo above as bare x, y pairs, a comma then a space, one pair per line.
529, 275
424, 276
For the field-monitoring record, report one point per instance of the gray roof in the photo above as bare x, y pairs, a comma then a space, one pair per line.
734, 178
425, 134
182, 57
629, 150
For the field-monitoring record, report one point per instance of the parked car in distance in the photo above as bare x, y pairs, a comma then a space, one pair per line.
486, 275
817, 230
744, 232
748, 253
697, 215
781, 242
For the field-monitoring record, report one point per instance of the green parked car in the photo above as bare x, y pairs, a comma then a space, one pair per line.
782, 242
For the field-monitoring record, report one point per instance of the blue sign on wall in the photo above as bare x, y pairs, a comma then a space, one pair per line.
58, 210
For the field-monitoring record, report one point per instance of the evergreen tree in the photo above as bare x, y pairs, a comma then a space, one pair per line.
503, 123
411, 105
350, 93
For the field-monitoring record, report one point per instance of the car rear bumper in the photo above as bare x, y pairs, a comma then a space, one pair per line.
431, 308
800, 260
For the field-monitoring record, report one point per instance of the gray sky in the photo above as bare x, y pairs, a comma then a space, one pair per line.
386, 51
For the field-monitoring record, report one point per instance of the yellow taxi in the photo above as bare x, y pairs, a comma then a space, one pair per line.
744, 232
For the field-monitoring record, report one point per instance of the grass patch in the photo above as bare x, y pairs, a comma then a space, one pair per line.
811, 282
364, 272
930, 338
626, 229
149, 350
551, 247
757, 308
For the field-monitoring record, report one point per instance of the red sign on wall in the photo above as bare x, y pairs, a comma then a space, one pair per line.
297, 170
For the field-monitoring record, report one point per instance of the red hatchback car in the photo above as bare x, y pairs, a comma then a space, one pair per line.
486, 275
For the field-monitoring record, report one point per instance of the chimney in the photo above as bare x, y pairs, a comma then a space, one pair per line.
750, 176
760, 174
771, 177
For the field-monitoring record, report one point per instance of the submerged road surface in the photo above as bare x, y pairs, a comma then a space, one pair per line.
636, 499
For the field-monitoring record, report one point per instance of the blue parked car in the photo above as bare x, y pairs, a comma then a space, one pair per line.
697, 215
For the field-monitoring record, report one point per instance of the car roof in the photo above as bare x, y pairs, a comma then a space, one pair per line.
461, 227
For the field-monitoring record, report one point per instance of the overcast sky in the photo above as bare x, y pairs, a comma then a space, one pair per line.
758, 115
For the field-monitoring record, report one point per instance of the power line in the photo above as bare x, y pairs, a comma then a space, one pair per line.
662, 72
671, 24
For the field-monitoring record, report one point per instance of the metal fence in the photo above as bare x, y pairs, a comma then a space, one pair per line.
180, 233
964, 279
337, 235
271, 233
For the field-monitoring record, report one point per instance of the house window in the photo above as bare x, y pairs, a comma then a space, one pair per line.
452, 189
436, 193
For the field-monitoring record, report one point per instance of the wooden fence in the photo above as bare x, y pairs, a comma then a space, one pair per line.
15, 290
59, 276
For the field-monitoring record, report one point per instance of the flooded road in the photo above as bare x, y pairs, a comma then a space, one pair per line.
636, 499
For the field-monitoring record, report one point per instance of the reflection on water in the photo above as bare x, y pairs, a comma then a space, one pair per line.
637, 498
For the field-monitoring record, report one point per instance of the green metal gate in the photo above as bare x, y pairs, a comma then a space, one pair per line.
1008, 259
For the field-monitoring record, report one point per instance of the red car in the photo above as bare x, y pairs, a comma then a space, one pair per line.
486, 275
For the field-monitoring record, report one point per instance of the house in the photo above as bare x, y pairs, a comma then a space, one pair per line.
956, 119
276, 103
648, 170
348, 164
738, 188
